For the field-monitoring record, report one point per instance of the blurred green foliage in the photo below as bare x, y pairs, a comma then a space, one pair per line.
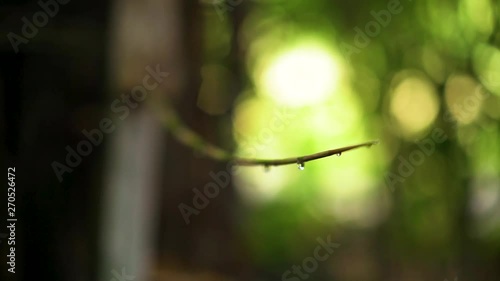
435, 64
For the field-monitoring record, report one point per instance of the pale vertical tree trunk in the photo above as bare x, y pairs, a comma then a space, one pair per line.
134, 227
142, 33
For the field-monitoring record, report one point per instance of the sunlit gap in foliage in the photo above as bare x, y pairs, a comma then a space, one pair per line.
305, 74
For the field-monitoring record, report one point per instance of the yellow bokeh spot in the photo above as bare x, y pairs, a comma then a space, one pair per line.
303, 75
414, 104
464, 97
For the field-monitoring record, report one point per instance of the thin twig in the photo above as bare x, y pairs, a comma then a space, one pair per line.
298, 160
185, 135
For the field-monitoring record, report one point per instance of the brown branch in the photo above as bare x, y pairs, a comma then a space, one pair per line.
186, 136
298, 160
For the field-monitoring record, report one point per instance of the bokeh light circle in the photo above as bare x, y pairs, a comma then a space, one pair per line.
303, 75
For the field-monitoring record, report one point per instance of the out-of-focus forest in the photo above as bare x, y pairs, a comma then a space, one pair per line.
123, 119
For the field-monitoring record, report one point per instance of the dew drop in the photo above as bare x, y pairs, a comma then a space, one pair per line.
300, 165
266, 168
338, 154
372, 143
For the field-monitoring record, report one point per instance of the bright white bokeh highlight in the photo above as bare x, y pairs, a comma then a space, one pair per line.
303, 75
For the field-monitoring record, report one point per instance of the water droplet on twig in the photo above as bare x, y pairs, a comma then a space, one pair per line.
338, 154
266, 168
300, 165
373, 143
